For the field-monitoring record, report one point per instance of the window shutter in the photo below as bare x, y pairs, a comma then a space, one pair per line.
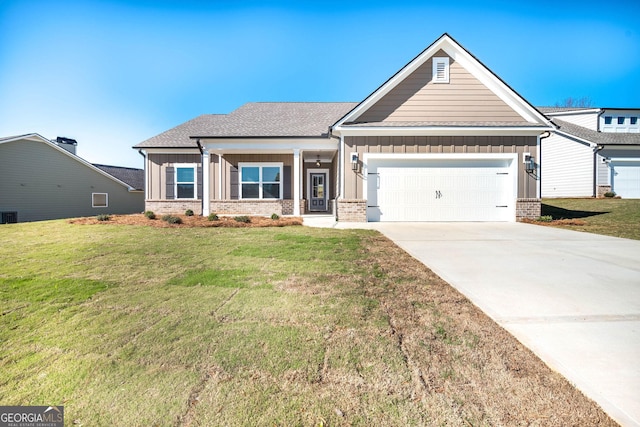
286, 182
170, 183
233, 178
199, 179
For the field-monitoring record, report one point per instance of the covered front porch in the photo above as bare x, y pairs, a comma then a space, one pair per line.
267, 176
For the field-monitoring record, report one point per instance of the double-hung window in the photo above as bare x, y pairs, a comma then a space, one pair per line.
185, 183
260, 180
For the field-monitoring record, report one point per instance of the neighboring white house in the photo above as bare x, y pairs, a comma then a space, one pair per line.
592, 151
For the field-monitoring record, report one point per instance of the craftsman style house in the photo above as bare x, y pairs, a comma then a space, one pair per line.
444, 139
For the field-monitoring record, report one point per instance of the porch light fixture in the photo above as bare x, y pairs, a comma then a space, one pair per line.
318, 162
354, 161
529, 162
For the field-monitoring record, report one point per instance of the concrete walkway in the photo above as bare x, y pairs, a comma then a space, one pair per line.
571, 297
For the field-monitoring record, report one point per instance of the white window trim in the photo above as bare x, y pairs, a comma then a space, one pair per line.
437, 62
106, 197
193, 166
260, 165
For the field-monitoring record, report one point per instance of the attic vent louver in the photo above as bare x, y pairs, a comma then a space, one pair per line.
441, 70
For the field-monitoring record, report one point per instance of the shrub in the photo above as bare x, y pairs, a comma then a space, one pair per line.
212, 217
188, 212
172, 219
545, 218
242, 218
150, 214
103, 217
610, 194
275, 216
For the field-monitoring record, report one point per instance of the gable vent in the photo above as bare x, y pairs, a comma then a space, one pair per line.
441, 70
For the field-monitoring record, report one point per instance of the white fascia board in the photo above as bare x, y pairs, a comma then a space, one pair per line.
478, 70
574, 112
440, 131
625, 159
393, 82
171, 150
270, 145
495, 85
575, 138
28, 137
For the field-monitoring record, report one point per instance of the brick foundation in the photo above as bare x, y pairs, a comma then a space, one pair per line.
162, 207
352, 210
251, 207
528, 209
602, 189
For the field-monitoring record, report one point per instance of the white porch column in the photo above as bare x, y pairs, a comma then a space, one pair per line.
206, 179
296, 181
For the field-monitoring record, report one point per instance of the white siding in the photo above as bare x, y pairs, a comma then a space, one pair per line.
587, 120
566, 168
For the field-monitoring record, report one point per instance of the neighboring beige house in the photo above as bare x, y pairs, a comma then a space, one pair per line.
444, 139
41, 179
591, 152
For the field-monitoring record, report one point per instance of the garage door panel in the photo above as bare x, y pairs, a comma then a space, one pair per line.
440, 191
626, 179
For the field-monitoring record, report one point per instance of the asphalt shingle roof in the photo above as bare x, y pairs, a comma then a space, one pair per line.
131, 176
600, 138
446, 124
257, 119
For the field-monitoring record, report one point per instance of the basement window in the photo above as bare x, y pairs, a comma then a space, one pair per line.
440, 70
99, 200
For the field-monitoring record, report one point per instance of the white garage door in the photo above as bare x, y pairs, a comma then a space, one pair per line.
440, 190
625, 180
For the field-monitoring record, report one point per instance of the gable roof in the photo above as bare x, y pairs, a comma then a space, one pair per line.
39, 138
595, 137
530, 115
131, 176
255, 120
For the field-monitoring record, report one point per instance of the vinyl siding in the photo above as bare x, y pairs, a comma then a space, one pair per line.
463, 99
157, 171
566, 168
587, 120
40, 182
353, 185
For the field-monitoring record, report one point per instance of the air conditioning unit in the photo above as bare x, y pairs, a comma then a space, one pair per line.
8, 217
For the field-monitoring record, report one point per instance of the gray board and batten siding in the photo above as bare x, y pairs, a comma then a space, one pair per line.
40, 182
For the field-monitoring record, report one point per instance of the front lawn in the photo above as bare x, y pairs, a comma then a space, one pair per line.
611, 217
141, 326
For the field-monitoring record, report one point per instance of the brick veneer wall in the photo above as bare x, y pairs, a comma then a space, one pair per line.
352, 210
173, 206
528, 208
252, 207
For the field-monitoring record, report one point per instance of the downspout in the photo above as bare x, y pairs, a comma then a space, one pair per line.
144, 156
546, 134
203, 209
596, 150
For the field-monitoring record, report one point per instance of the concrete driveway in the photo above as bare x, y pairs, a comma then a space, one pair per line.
571, 297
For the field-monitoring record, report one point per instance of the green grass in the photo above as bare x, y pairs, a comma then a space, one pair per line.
611, 217
142, 326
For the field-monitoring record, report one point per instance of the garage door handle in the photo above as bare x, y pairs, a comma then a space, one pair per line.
502, 206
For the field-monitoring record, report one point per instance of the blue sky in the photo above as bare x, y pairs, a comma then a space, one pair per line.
114, 73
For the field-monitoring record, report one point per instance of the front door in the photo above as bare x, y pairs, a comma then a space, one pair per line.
318, 196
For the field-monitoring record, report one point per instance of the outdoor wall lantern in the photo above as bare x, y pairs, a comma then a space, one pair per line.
529, 162
354, 161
